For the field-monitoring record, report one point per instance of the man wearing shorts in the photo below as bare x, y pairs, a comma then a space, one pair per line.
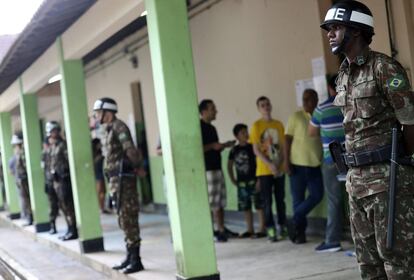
212, 158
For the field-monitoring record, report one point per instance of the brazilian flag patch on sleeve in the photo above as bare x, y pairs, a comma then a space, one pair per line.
396, 82
123, 136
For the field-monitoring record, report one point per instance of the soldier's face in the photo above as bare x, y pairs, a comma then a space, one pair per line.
54, 134
336, 36
98, 115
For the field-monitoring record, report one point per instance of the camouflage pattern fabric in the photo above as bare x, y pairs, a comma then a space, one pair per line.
22, 183
374, 94
120, 151
50, 191
368, 225
59, 168
128, 213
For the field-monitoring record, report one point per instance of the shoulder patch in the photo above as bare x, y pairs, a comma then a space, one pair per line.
396, 82
123, 136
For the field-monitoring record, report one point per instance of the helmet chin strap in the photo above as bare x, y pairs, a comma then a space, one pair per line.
339, 49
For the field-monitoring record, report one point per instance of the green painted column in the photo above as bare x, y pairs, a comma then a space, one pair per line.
78, 139
2, 199
33, 152
6, 153
177, 107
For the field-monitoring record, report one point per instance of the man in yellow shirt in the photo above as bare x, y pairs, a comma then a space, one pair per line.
267, 138
303, 157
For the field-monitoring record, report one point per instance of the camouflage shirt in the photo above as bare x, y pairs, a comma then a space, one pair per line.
374, 94
118, 144
58, 154
46, 164
21, 172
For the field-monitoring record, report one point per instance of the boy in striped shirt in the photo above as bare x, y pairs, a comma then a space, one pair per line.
327, 122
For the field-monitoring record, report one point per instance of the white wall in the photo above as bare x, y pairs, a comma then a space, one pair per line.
242, 49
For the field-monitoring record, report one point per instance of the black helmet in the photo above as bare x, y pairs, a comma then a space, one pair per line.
50, 126
105, 103
350, 13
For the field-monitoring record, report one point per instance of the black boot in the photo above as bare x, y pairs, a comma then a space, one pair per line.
72, 234
29, 221
135, 263
125, 262
52, 228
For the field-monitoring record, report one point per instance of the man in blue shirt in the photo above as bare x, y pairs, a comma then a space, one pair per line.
327, 122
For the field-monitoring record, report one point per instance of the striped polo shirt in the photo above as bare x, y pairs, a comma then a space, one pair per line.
328, 118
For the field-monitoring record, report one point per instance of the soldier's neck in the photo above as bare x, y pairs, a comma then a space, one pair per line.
357, 49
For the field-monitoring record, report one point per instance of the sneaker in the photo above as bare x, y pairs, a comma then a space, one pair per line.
324, 248
230, 233
283, 232
246, 234
271, 235
221, 237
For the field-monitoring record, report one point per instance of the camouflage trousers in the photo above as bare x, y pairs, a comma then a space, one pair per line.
63, 191
129, 207
368, 216
23, 186
53, 203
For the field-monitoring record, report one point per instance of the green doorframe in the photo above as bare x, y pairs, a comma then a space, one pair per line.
6, 133
79, 144
33, 151
176, 99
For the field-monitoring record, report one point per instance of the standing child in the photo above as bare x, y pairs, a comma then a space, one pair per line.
242, 157
267, 138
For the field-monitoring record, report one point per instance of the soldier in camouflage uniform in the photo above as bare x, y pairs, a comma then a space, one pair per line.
21, 176
375, 96
122, 160
49, 190
58, 166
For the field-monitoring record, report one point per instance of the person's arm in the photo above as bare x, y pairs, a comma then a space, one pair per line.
315, 123
313, 131
394, 82
286, 151
230, 171
215, 146
408, 132
265, 159
133, 155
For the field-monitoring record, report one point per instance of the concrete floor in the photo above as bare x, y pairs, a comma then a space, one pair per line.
237, 259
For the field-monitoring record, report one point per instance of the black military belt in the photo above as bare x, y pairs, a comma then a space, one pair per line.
368, 157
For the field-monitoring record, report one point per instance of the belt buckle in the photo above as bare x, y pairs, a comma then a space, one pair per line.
350, 160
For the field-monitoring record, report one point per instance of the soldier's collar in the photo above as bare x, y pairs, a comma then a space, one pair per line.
358, 60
